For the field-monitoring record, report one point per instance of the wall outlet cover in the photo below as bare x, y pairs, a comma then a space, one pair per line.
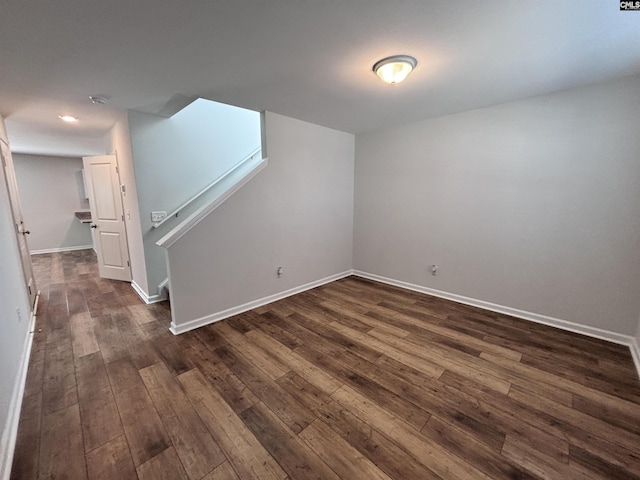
158, 216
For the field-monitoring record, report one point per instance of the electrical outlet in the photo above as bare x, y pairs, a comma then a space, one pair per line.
158, 216
279, 272
19, 314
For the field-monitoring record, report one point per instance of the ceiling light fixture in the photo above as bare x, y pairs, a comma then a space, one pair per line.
68, 118
394, 69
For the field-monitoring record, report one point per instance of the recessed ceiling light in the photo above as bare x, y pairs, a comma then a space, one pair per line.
394, 69
97, 99
68, 118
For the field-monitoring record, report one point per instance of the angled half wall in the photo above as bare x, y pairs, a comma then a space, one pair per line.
297, 214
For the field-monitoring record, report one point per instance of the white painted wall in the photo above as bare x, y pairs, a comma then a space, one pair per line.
636, 347
118, 141
51, 190
297, 213
3, 131
533, 205
15, 334
177, 157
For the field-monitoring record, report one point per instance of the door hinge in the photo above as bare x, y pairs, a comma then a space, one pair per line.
29, 287
122, 217
128, 264
123, 189
117, 171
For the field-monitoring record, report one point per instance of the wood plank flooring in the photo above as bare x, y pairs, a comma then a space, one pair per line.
352, 380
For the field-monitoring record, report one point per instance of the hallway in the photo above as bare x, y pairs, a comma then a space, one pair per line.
83, 323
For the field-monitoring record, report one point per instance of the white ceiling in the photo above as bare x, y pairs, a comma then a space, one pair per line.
305, 59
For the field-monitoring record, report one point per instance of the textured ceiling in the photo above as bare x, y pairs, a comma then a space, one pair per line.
309, 60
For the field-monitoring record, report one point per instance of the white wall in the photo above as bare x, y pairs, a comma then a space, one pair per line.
3, 131
636, 347
51, 190
533, 205
14, 336
177, 157
118, 141
297, 213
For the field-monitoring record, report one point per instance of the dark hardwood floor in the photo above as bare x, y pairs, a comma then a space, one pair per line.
352, 380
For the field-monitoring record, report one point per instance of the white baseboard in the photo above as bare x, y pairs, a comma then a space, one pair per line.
635, 353
141, 293
61, 249
215, 317
587, 330
163, 284
148, 299
10, 433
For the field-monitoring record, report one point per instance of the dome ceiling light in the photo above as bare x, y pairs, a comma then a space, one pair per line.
68, 118
394, 69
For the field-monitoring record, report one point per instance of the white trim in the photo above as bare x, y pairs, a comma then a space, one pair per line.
230, 312
148, 299
141, 293
163, 284
10, 433
514, 312
635, 353
61, 249
218, 180
587, 330
172, 306
192, 220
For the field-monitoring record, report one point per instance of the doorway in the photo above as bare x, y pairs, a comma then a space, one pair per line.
107, 216
21, 229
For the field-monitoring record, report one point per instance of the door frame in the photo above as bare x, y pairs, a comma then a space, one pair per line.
21, 231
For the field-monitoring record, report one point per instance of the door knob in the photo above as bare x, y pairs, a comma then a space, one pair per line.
93, 225
26, 232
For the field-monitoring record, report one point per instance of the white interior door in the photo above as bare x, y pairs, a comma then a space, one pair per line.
107, 216
21, 230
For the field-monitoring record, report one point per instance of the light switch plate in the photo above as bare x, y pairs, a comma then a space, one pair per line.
158, 216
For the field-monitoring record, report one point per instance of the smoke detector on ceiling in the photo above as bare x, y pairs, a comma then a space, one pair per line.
97, 99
